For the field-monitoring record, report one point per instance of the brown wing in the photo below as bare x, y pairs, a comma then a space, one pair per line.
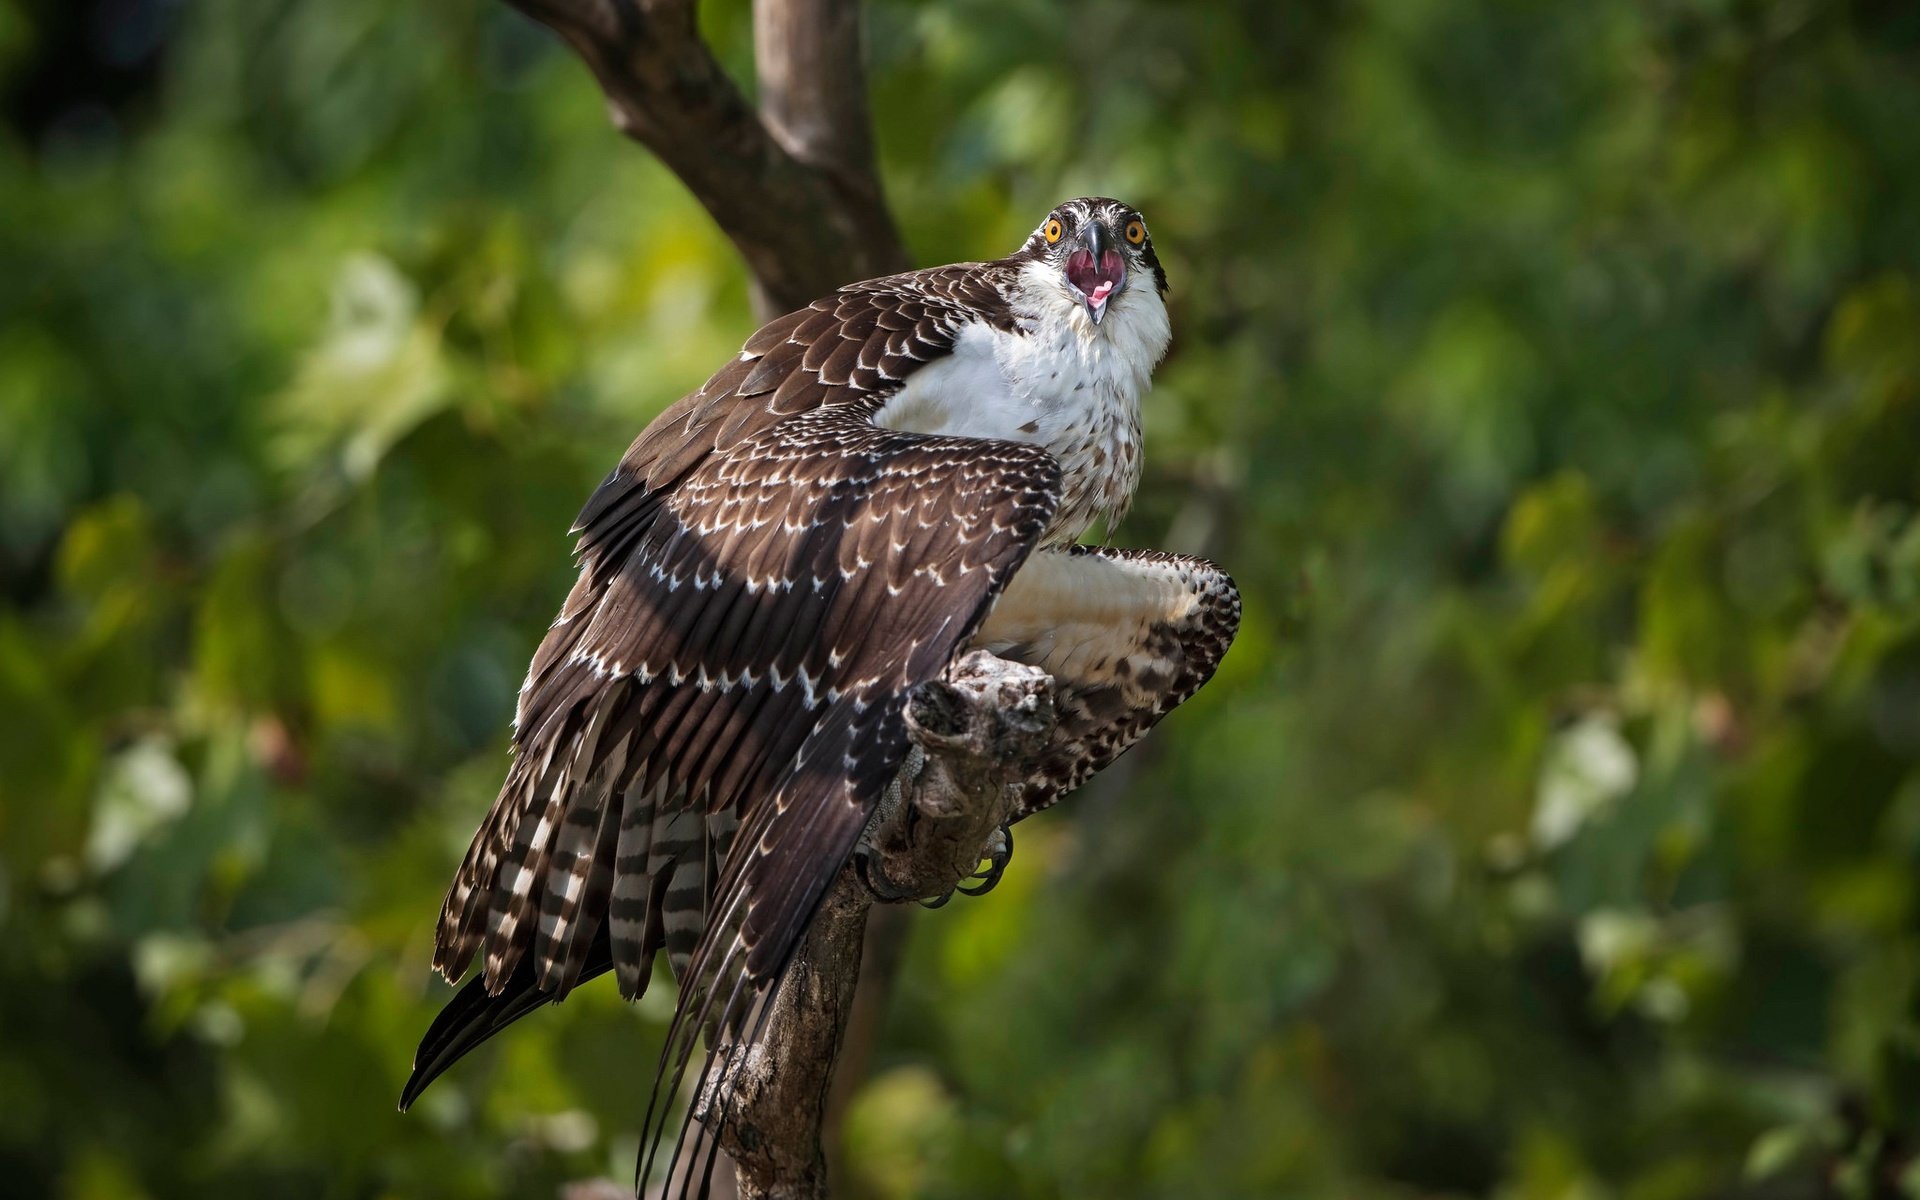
849, 349
750, 617
697, 650
861, 342
752, 656
791, 595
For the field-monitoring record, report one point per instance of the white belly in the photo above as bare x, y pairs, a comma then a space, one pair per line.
1074, 395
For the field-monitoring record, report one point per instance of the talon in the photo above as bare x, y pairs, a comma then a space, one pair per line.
999, 854
882, 890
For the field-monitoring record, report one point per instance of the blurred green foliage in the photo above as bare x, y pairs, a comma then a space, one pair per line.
1548, 375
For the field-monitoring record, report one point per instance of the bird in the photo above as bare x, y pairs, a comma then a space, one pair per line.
876, 484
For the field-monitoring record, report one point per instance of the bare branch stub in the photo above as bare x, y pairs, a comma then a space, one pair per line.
797, 192
813, 86
975, 736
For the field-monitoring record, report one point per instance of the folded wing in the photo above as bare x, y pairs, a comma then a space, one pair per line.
707, 725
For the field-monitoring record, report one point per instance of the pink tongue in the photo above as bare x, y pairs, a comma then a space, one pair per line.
1095, 281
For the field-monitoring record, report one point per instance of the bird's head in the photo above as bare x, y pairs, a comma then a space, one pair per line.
1099, 249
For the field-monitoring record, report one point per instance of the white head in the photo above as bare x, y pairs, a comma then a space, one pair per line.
1094, 255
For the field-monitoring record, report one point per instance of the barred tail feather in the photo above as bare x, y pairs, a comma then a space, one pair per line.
633, 911
568, 818
579, 877
677, 864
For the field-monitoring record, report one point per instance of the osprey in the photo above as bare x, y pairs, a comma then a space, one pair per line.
888, 478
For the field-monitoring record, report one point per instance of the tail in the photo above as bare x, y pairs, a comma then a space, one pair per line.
659, 903
473, 1016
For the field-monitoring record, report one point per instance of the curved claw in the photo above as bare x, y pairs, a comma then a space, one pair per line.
999, 854
883, 891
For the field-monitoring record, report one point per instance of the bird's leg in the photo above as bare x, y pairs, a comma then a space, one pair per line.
870, 862
975, 736
866, 859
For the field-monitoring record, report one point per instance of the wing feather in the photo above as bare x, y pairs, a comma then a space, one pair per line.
749, 615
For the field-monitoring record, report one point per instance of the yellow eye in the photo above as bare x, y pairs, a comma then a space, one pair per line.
1053, 229
1136, 232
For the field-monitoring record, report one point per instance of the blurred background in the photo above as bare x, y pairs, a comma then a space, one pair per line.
1548, 375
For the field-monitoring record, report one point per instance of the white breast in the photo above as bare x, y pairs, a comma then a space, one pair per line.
1060, 382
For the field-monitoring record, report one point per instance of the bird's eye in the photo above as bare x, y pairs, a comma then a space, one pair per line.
1052, 229
1136, 232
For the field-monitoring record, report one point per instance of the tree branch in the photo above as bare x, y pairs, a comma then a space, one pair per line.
975, 738
813, 98
797, 193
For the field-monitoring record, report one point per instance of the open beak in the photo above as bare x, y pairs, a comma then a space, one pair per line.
1096, 270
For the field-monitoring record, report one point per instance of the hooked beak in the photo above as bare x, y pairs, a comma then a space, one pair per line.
1096, 270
